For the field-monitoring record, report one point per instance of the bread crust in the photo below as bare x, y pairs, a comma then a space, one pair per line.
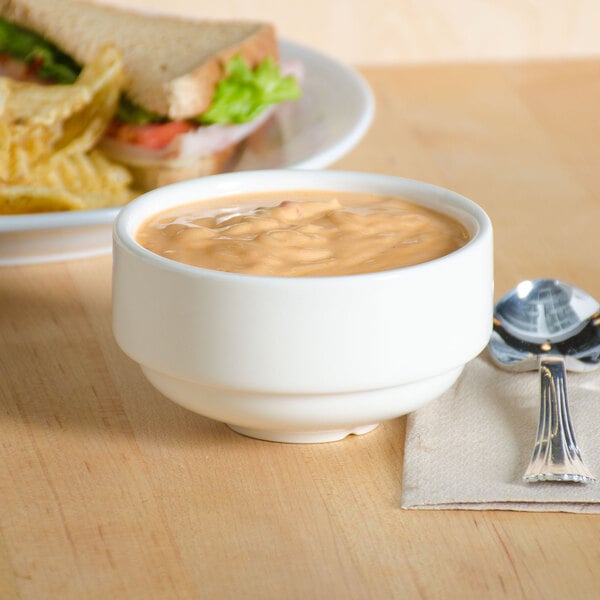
172, 64
148, 178
192, 94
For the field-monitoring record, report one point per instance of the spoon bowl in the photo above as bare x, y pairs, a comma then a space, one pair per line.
549, 325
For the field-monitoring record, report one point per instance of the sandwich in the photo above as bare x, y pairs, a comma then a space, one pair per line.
194, 90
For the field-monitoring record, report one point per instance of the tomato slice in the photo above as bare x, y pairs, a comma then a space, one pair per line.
153, 136
19, 70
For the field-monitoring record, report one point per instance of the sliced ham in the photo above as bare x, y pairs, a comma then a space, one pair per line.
186, 147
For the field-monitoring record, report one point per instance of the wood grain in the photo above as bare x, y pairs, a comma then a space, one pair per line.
109, 490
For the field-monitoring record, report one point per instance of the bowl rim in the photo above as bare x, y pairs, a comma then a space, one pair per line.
316, 180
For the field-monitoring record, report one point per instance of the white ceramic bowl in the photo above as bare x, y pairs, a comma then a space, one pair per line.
307, 359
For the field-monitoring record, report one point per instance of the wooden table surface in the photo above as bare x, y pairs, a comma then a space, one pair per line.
107, 490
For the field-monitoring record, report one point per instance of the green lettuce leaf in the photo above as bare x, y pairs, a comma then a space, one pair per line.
244, 94
31, 48
129, 112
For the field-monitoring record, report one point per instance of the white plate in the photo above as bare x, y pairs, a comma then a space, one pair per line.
333, 114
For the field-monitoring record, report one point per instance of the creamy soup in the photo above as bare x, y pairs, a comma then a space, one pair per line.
302, 234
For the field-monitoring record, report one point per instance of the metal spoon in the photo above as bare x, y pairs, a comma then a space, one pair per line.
552, 326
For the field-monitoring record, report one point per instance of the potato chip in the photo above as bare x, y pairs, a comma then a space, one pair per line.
31, 104
69, 182
70, 118
104, 78
47, 136
21, 157
4, 131
34, 115
23, 199
99, 181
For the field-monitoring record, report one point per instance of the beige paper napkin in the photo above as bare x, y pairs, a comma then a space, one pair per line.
469, 448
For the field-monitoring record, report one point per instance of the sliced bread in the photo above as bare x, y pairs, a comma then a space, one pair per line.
172, 65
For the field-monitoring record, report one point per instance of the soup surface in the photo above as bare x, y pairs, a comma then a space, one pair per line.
302, 234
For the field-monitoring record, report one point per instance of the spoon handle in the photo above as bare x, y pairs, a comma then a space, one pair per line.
556, 456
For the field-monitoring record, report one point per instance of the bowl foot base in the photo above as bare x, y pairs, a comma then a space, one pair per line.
303, 437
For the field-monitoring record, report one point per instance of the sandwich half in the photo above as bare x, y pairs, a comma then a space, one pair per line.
194, 89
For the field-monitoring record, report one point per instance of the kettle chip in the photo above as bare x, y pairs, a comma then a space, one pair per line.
48, 134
